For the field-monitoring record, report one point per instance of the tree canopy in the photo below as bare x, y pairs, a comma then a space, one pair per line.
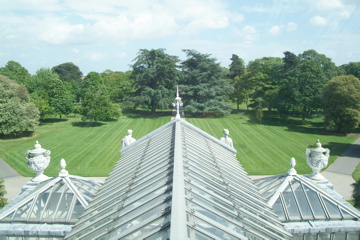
16, 72
155, 76
68, 72
17, 113
342, 103
204, 87
95, 100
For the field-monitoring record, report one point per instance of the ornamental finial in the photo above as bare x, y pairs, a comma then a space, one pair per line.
292, 170
63, 172
178, 103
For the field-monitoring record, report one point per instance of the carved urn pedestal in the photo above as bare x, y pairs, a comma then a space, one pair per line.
317, 160
38, 160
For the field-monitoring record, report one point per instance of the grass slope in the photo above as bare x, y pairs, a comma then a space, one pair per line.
92, 149
267, 149
89, 149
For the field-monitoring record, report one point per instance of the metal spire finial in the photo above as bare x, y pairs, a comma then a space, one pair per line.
178, 103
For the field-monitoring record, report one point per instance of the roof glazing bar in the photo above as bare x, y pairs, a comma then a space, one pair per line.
178, 210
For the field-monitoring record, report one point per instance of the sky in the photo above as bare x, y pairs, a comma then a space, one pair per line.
97, 35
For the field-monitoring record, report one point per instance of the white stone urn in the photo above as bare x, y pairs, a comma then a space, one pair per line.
317, 160
38, 160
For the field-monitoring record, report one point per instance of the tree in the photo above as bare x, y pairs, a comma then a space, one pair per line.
17, 113
60, 97
50, 94
16, 72
302, 88
155, 76
95, 100
204, 88
265, 74
341, 100
352, 68
237, 66
3, 200
68, 72
328, 67
118, 84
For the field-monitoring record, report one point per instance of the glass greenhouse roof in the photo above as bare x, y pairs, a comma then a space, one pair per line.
297, 198
58, 201
178, 182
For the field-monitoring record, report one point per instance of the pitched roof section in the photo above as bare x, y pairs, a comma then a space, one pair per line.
296, 198
58, 200
49, 209
178, 182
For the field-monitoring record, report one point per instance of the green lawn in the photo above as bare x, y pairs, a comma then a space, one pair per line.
92, 150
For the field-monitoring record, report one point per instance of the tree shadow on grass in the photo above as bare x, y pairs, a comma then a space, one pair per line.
51, 120
17, 135
146, 113
339, 149
87, 124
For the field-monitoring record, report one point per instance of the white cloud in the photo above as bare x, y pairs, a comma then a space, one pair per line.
325, 5
97, 56
291, 26
248, 33
275, 30
319, 21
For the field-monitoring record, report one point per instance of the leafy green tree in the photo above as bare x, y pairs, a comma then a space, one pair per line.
237, 66
95, 100
342, 103
60, 97
155, 76
237, 76
3, 200
265, 74
50, 94
204, 88
17, 113
119, 85
302, 88
328, 67
16, 72
68, 72
352, 68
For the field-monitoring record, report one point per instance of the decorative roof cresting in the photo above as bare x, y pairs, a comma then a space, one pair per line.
317, 160
38, 160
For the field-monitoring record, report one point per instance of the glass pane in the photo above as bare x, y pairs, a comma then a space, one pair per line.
193, 234
49, 211
64, 205
353, 236
332, 209
39, 206
212, 230
218, 218
315, 203
153, 226
302, 201
290, 204
77, 211
347, 215
278, 209
23, 212
163, 234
